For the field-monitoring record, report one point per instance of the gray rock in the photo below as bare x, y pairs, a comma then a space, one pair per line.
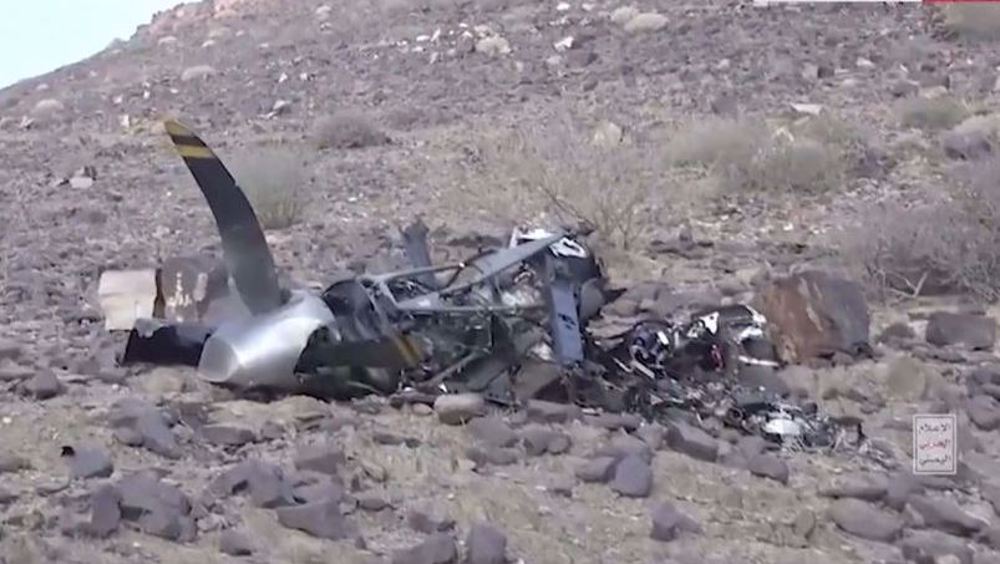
669, 522
768, 466
928, 546
692, 441
156, 435
549, 412
867, 487
324, 488
265, 483
457, 409
90, 462
105, 511
485, 544
536, 439
325, 458
966, 145
627, 445
228, 435
907, 379
10, 462
429, 520
492, 431
599, 470
159, 509
865, 520
946, 515
615, 421
899, 489
322, 520
973, 331
750, 446
44, 385
653, 435
633, 477
372, 502
235, 543
437, 549
984, 412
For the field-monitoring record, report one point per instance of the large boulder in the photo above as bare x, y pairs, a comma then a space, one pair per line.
815, 314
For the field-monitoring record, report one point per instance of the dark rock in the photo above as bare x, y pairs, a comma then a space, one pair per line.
633, 477
265, 483
984, 412
600, 470
105, 512
156, 435
485, 544
692, 441
437, 549
946, 515
144, 492
429, 520
456, 409
234, 543
228, 435
541, 411
927, 546
973, 331
487, 455
865, 520
322, 520
768, 466
492, 431
814, 314
325, 458
90, 462
44, 385
669, 522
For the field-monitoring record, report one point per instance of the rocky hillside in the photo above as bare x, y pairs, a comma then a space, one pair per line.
713, 145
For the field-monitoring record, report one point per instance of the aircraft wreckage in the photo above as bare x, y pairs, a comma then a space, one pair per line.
510, 323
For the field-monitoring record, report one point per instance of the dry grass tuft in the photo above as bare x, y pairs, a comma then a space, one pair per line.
973, 20
274, 181
931, 114
348, 129
949, 246
812, 155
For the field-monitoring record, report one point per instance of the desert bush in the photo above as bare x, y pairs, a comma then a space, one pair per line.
347, 129
810, 155
617, 190
952, 245
274, 181
931, 114
973, 20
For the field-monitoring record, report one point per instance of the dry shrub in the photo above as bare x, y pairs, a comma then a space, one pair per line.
811, 155
931, 114
973, 20
348, 129
616, 190
949, 246
274, 181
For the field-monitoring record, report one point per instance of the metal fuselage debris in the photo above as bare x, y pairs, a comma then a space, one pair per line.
475, 325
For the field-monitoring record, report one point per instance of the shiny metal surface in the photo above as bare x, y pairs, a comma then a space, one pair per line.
262, 351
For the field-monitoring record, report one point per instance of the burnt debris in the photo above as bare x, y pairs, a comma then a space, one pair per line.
512, 323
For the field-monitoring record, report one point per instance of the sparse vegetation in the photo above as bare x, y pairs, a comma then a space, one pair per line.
931, 114
348, 129
973, 20
811, 155
947, 246
275, 183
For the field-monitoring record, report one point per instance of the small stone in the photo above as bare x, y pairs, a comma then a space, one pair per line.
372, 502
633, 477
864, 520
498, 456
624, 14
322, 520
90, 462
597, 470
653, 435
537, 440
199, 72
156, 435
235, 543
561, 486
493, 46
769, 466
541, 411
324, 458
457, 409
692, 441
485, 544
